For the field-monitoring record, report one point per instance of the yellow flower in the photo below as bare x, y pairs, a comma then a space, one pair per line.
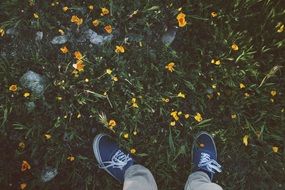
241, 85
275, 149
180, 113
108, 71
95, 22
216, 62
78, 55
65, 9
21, 145
166, 100
91, 7
104, 11
234, 47
246, 94
198, 117
47, 136
79, 66
114, 78
170, 66
59, 98
181, 19
134, 103
245, 140
25, 166
214, 86
108, 29
75, 19
2, 32
126, 135
112, 123
181, 95
234, 116
214, 14
174, 115
133, 150
71, 158
218, 93
23, 186
273, 92
13, 88
279, 27
26, 94
172, 123
61, 31
78, 116
36, 16
120, 49
86, 80
64, 49
135, 132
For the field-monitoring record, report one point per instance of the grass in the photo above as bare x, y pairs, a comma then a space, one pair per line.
241, 97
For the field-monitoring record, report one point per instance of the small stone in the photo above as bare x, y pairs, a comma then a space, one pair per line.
169, 36
34, 82
39, 36
59, 39
48, 174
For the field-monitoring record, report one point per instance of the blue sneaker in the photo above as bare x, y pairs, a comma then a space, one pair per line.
204, 154
110, 157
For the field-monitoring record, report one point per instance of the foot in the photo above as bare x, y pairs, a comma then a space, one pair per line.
110, 157
204, 154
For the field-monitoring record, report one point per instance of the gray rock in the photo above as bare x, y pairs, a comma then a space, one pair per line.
34, 82
169, 36
59, 39
48, 174
39, 36
11, 31
97, 39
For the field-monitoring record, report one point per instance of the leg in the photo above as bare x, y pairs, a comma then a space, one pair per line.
201, 181
137, 177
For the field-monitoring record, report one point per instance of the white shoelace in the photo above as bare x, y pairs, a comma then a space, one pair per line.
119, 160
211, 165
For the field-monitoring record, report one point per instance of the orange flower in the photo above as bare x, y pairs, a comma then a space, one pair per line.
170, 66
78, 55
120, 49
104, 11
133, 150
23, 186
96, 22
108, 29
13, 88
91, 7
112, 123
2, 32
181, 19
36, 16
64, 49
75, 19
214, 14
71, 158
65, 9
234, 47
79, 65
25, 166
